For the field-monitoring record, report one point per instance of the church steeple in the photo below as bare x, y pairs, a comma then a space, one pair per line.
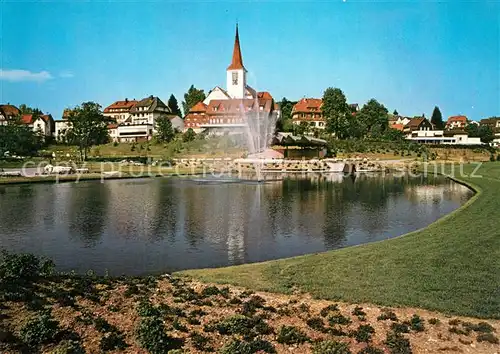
237, 61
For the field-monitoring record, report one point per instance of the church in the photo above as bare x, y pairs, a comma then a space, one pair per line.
225, 110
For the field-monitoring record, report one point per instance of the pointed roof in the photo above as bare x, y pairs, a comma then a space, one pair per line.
237, 62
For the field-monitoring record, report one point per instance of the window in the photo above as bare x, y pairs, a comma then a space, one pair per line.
235, 78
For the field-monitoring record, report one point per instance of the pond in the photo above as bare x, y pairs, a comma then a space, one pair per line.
159, 225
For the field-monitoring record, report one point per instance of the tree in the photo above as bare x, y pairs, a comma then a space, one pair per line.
373, 118
174, 106
472, 130
88, 127
437, 118
189, 135
192, 97
24, 109
19, 139
486, 134
164, 129
395, 113
284, 123
335, 111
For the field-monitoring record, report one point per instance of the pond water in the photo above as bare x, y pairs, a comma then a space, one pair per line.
160, 225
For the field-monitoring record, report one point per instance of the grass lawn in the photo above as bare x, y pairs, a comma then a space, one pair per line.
452, 266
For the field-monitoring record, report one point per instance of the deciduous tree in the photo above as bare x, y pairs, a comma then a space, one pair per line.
88, 127
192, 97
373, 118
284, 123
335, 111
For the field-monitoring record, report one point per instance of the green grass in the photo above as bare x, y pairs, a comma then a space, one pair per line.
452, 266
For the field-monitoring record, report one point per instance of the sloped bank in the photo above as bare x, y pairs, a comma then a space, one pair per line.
451, 266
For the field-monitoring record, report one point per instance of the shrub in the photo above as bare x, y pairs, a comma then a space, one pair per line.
358, 311
132, 289
103, 326
68, 347
316, 323
331, 347
338, 319
364, 333
147, 309
242, 325
210, 291
483, 327
112, 341
417, 323
23, 266
400, 327
458, 330
434, 321
371, 350
235, 301
237, 346
330, 308
387, 315
176, 324
201, 342
487, 337
397, 344
151, 336
454, 322
291, 335
40, 330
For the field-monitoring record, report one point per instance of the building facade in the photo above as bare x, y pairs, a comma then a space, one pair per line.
119, 111
230, 110
456, 122
42, 124
8, 112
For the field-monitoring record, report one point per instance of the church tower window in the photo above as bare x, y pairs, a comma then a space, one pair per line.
235, 78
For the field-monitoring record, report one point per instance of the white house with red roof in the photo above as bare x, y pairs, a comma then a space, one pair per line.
43, 124
227, 110
456, 123
7, 112
119, 111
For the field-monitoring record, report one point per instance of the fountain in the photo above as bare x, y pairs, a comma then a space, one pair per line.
257, 134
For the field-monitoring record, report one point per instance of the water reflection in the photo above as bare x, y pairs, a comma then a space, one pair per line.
159, 225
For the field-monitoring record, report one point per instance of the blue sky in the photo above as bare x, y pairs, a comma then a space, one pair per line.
410, 55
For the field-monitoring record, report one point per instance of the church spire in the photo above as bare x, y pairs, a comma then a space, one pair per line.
237, 62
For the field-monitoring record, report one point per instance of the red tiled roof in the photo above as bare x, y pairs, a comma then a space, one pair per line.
199, 107
9, 110
462, 119
308, 105
127, 104
237, 106
27, 119
237, 61
264, 95
399, 127
112, 126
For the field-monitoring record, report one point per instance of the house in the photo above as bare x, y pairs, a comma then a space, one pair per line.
309, 110
119, 111
456, 122
416, 124
141, 122
7, 112
44, 123
61, 126
196, 117
235, 108
494, 124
